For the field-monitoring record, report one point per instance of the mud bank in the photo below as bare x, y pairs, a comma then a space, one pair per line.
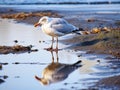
16, 49
100, 41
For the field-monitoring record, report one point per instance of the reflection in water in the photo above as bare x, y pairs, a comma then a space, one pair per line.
56, 72
1, 81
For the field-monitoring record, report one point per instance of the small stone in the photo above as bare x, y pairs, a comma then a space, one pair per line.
106, 29
16, 41
91, 20
65, 83
0, 66
79, 55
98, 61
95, 30
35, 50
39, 41
5, 76
16, 63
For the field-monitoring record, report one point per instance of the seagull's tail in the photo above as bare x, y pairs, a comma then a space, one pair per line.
81, 31
78, 31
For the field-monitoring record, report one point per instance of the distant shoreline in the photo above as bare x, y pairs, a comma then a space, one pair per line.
61, 3
66, 8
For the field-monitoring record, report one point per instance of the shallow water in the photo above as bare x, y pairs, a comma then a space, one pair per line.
102, 8
22, 76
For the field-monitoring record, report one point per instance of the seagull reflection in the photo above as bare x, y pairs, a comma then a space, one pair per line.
56, 72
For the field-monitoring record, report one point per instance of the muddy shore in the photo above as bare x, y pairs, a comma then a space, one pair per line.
106, 42
104, 34
111, 82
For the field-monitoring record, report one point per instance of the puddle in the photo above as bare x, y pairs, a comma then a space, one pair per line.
21, 69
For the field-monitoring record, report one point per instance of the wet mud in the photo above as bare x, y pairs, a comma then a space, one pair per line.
16, 49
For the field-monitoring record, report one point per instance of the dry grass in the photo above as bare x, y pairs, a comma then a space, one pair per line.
109, 40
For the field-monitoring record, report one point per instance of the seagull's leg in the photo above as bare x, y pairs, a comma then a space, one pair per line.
52, 42
56, 49
50, 48
52, 57
57, 56
57, 43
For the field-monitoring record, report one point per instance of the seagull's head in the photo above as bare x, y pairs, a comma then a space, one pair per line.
42, 80
42, 21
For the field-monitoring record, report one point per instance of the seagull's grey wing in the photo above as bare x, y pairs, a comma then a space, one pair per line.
58, 21
63, 28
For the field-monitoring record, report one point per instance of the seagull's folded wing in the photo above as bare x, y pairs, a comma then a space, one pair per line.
64, 28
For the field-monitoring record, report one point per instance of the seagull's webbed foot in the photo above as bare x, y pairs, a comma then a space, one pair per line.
52, 49
49, 49
56, 49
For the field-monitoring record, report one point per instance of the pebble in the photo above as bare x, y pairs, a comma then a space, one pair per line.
16, 41
0, 66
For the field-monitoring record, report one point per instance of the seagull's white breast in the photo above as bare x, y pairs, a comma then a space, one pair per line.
57, 27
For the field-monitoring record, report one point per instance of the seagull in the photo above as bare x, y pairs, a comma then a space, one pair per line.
56, 72
55, 27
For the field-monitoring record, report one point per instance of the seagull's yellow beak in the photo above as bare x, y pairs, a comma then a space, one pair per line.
36, 24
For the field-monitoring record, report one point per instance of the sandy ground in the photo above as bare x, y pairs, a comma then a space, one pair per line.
87, 42
111, 82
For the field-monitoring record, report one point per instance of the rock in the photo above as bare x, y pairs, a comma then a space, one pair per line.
91, 20
16, 63
79, 55
0, 66
95, 30
85, 32
98, 61
16, 41
5, 76
105, 29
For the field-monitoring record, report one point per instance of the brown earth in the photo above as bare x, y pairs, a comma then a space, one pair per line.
97, 39
16, 49
112, 83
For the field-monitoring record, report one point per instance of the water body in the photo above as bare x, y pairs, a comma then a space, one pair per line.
103, 8
58, 1
22, 76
